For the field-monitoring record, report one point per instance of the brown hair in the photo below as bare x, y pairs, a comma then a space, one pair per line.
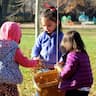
51, 14
75, 38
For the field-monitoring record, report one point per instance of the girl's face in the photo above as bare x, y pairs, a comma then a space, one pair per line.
67, 43
48, 25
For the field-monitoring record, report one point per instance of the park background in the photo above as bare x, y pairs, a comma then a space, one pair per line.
77, 14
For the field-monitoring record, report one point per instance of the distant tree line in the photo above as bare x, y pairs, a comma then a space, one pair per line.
76, 7
17, 10
24, 10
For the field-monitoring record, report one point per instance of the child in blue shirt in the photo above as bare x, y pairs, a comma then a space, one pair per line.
45, 47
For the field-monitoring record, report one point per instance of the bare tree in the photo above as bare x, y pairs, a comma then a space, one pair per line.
16, 6
4, 8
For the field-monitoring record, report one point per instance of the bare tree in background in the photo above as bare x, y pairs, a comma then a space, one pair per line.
4, 8
25, 9
16, 5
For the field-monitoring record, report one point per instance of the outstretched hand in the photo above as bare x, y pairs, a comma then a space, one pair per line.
40, 62
58, 67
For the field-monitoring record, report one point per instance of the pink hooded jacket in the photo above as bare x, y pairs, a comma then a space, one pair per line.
12, 31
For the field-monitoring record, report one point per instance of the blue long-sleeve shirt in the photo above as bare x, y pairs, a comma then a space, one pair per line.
45, 47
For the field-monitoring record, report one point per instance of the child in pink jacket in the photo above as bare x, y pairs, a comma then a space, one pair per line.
10, 59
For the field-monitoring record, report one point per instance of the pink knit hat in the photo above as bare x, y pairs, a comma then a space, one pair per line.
10, 31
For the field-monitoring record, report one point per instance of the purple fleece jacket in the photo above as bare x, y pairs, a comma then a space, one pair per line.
76, 72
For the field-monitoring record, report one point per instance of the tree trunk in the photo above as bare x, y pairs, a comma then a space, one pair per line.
4, 8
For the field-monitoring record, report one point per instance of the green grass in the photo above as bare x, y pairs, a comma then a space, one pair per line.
89, 37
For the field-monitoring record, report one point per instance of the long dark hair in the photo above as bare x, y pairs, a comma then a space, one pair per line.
76, 40
51, 14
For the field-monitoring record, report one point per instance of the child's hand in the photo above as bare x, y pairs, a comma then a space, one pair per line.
58, 67
39, 62
36, 58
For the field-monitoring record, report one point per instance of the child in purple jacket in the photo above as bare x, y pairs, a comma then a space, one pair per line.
76, 74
